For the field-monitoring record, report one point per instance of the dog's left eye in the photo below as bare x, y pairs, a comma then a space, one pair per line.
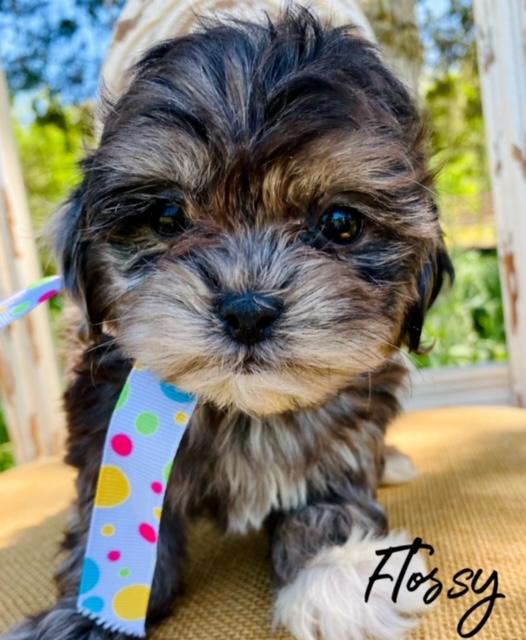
341, 225
169, 220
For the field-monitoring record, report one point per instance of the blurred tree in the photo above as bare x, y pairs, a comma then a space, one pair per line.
56, 45
52, 51
50, 149
452, 95
395, 26
449, 32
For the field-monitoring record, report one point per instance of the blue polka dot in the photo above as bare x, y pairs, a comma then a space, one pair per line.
90, 575
93, 604
175, 394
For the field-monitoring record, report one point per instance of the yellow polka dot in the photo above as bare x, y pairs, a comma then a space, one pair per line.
131, 602
113, 487
108, 530
157, 512
181, 417
3, 309
138, 366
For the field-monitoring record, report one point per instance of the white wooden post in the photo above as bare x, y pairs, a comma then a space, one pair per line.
30, 386
501, 35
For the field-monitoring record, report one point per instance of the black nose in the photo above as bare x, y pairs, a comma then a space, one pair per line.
248, 317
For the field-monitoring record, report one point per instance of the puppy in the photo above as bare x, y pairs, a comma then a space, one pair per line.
257, 226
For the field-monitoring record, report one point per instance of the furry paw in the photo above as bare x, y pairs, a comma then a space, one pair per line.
63, 622
327, 598
399, 467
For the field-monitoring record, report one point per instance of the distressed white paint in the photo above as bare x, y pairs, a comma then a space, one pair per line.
29, 380
501, 35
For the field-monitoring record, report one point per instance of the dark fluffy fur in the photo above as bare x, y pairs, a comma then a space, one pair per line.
257, 129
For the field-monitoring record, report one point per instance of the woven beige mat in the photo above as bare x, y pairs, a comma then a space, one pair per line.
469, 503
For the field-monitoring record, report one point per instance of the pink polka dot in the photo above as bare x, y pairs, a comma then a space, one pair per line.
48, 295
122, 444
114, 556
157, 487
148, 532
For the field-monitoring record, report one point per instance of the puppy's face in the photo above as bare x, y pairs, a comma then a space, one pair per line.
256, 224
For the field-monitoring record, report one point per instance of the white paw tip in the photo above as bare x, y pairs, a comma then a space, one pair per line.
398, 468
327, 598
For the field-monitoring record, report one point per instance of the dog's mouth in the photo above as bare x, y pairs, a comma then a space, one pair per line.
251, 362
249, 366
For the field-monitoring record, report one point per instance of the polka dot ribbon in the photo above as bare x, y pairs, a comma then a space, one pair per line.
145, 431
22, 303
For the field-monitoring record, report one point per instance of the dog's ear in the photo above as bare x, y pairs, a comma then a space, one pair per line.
436, 268
71, 249
69, 246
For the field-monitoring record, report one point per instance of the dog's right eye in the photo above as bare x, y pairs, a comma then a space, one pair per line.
341, 225
169, 220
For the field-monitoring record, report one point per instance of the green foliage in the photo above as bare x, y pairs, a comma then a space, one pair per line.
6, 456
458, 137
453, 99
467, 324
50, 148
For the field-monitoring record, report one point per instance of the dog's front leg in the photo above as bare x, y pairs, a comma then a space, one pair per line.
322, 558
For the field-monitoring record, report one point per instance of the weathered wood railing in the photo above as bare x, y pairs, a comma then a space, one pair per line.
29, 378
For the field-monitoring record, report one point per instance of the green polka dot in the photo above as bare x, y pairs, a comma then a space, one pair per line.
124, 396
21, 308
125, 573
147, 423
167, 471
